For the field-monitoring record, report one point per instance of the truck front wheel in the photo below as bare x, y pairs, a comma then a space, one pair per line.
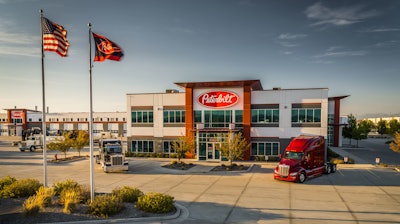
32, 148
333, 168
302, 177
328, 169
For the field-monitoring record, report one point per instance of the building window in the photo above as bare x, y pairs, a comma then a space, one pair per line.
197, 116
265, 116
174, 116
142, 117
143, 146
331, 131
217, 118
167, 147
16, 120
239, 118
306, 115
265, 149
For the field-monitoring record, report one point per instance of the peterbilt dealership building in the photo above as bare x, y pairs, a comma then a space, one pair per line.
268, 119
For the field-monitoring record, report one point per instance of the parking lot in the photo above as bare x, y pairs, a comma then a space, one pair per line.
354, 194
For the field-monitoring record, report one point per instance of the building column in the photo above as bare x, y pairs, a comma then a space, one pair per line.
247, 118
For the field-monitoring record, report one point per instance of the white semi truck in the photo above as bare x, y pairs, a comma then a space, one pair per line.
111, 156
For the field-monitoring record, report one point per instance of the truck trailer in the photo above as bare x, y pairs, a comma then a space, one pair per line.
304, 157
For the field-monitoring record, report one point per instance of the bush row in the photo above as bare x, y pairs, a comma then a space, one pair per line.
70, 194
150, 155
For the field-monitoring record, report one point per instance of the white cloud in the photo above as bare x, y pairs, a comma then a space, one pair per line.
339, 16
377, 30
287, 52
288, 36
288, 39
16, 43
287, 44
20, 51
341, 54
387, 43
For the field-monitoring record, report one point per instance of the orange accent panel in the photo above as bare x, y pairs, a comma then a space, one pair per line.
247, 118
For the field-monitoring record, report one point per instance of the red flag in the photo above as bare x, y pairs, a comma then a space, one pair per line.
54, 38
106, 49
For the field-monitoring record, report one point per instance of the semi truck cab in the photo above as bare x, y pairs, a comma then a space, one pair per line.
303, 158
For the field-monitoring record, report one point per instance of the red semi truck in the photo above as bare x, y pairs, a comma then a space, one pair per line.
305, 157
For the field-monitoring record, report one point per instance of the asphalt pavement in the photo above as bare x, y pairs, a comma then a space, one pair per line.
354, 194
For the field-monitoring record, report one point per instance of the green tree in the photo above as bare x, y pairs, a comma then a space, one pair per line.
182, 145
234, 146
62, 144
348, 130
382, 127
81, 140
394, 126
395, 144
366, 126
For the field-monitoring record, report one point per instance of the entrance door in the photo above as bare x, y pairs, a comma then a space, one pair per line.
213, 152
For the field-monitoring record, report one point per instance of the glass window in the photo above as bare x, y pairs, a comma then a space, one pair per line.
239, 116
310, 115
197, 116
317, 115
265, 115
254, 116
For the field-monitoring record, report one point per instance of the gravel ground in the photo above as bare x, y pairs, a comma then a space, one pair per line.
11, 212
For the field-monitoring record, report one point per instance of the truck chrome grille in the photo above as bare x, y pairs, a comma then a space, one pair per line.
116, 160
284, 170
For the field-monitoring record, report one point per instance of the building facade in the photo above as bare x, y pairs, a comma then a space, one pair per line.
268, 119
17, 121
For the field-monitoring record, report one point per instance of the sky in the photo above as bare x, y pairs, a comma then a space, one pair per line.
350, 47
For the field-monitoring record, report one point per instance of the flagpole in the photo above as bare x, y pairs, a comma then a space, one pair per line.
91, 116
44, 107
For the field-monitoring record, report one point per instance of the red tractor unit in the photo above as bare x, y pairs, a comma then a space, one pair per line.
305, 157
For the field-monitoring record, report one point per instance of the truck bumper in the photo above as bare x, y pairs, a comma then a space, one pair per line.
22, 149
285, 178
114, 168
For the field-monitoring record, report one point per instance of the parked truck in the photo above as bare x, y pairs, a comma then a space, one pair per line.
31, 143
35, 141
304, 157
111, 156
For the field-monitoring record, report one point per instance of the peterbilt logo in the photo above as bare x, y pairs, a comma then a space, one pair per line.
16, 114
218, 99
107, 47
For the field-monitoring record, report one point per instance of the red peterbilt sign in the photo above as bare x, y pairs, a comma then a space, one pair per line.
218, 99
16, 114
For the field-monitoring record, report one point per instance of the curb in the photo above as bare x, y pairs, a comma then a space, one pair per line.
181, 214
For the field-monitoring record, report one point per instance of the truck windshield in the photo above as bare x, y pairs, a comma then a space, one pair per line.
294, 155
114, 149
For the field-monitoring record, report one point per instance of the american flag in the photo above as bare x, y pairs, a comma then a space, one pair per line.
54, 38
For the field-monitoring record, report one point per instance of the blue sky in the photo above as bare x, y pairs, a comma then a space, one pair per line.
350, 47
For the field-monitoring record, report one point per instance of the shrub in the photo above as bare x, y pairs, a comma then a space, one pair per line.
85, 193
174, 162
31, 206
70, 197
127, 194
105, 205
341, 161
155, 203
21, 188
63, 185
7, 180
44, 196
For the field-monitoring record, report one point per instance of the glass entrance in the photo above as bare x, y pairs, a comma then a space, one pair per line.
213, 152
